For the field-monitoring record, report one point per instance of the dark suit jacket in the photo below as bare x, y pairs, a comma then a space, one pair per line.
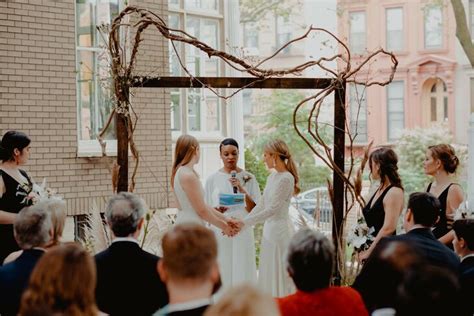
14, 277
128, 282
466, 277
432, 250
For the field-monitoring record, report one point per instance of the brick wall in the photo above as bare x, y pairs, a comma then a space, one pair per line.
38, 96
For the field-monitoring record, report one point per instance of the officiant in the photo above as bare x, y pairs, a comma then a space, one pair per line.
236, 255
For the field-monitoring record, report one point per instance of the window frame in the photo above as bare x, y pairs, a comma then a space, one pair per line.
390, 137
402, 30
89, 147
351, 47
184, 93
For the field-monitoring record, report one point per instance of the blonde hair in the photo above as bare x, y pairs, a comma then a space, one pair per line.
57, 208
186, 147
280, 148
244, 300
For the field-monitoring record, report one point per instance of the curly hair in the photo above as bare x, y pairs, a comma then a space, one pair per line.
63, 282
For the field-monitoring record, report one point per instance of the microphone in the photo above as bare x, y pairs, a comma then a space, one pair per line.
233, 174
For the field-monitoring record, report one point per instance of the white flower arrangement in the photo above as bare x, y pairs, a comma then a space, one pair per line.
463, 211
360, 236
37, 193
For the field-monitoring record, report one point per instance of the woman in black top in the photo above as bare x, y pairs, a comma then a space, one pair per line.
440, 163
14, 186
385, 206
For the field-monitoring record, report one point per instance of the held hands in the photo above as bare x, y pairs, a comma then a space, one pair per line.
233, 227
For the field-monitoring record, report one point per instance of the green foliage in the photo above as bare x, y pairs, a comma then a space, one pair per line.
411, 149
278, 121
256, 167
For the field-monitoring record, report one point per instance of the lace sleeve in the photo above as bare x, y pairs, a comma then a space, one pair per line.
284, 189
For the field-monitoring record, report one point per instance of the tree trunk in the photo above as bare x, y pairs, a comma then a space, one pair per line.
462, 30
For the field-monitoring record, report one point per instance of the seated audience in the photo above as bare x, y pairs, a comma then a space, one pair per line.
244, 300
189, 268
422, 213
127, 280
383, 272
32, 230
429, 290
62, 283
57, 209
310, 263
464, 246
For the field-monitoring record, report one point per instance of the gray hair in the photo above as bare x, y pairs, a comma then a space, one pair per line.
32, 226
123, 213
310, 260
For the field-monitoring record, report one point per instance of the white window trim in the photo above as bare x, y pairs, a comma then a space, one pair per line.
92, 148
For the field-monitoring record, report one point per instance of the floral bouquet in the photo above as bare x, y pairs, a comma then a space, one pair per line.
360, 236
37, 193
463, 211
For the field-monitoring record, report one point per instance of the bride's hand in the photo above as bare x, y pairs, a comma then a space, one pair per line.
233, 227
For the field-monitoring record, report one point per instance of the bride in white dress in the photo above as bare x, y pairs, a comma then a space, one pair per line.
273, 209
236, 255
189, 192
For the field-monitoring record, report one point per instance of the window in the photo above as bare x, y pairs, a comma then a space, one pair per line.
438, 102
395, 110
94, 85
283, 33
195, 110
358, 112
357, 36
433, 27
250, 35
394, 20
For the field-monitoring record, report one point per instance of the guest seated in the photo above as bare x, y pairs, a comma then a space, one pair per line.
383, 272
244, 300
429, 290
464, 246
422, 213
310, 264
189, 268
57, 209
127, 281
32, 230
62, 283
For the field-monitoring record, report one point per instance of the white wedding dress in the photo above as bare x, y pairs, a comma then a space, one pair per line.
273, 209
186, 212
236, 254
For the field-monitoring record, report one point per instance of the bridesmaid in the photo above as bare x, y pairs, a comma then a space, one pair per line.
237, 254
384, 208
440, 163
15, 184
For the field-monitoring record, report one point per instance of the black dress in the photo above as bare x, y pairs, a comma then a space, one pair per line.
375, 215
12, 201
444, 225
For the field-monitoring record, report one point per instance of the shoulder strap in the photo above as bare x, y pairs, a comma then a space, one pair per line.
429, 187
386, 190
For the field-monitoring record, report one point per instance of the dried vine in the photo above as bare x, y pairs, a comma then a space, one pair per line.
123, 68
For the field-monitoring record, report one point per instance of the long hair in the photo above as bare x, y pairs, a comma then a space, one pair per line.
63, 282
387, 159
446, 154
279, 147
186, 147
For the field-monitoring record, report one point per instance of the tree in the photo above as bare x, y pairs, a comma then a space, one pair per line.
411, 148
257, 168
462, 30
254, 10
275, 123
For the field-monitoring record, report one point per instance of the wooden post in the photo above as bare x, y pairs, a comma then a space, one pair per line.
122, 152
338, 183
